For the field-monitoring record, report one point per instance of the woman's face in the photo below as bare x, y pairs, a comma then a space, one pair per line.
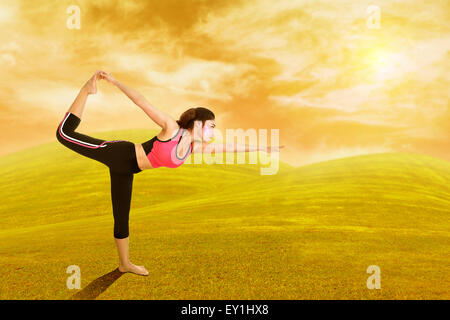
208, 130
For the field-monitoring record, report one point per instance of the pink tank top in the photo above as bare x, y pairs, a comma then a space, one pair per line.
164, 153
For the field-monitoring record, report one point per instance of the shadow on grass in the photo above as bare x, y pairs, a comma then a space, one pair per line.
96, 287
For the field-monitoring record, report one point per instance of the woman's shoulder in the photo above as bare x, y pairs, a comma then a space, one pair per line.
168, 133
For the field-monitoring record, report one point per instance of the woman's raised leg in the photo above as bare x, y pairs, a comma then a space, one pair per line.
85, 145
90, 87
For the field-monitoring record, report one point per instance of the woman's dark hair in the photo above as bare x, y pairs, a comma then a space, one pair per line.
188, 117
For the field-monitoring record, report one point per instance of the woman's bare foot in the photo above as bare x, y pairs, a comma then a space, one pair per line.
140, 270
91, 84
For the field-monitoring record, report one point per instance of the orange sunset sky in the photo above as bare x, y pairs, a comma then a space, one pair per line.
319, 71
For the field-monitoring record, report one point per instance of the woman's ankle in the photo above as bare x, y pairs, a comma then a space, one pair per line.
125, 264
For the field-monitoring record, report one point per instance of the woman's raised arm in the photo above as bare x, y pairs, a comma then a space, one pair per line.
161, 118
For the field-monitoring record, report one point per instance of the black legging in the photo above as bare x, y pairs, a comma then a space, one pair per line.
118, 155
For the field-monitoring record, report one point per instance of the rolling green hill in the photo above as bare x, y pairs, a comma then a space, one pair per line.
225, 231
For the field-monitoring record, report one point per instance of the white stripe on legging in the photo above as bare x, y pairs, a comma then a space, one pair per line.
78, 141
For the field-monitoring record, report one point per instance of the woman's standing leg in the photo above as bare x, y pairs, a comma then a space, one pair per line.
121, 192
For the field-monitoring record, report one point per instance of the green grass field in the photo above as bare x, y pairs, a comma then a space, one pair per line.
224, 231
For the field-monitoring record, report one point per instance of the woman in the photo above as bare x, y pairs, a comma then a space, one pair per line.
167, 149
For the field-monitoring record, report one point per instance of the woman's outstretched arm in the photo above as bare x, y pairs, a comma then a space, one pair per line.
161, 118
219, 147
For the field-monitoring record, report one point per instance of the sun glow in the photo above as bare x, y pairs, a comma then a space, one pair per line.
386, 65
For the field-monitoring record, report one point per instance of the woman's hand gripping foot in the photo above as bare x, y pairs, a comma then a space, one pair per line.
91, 84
